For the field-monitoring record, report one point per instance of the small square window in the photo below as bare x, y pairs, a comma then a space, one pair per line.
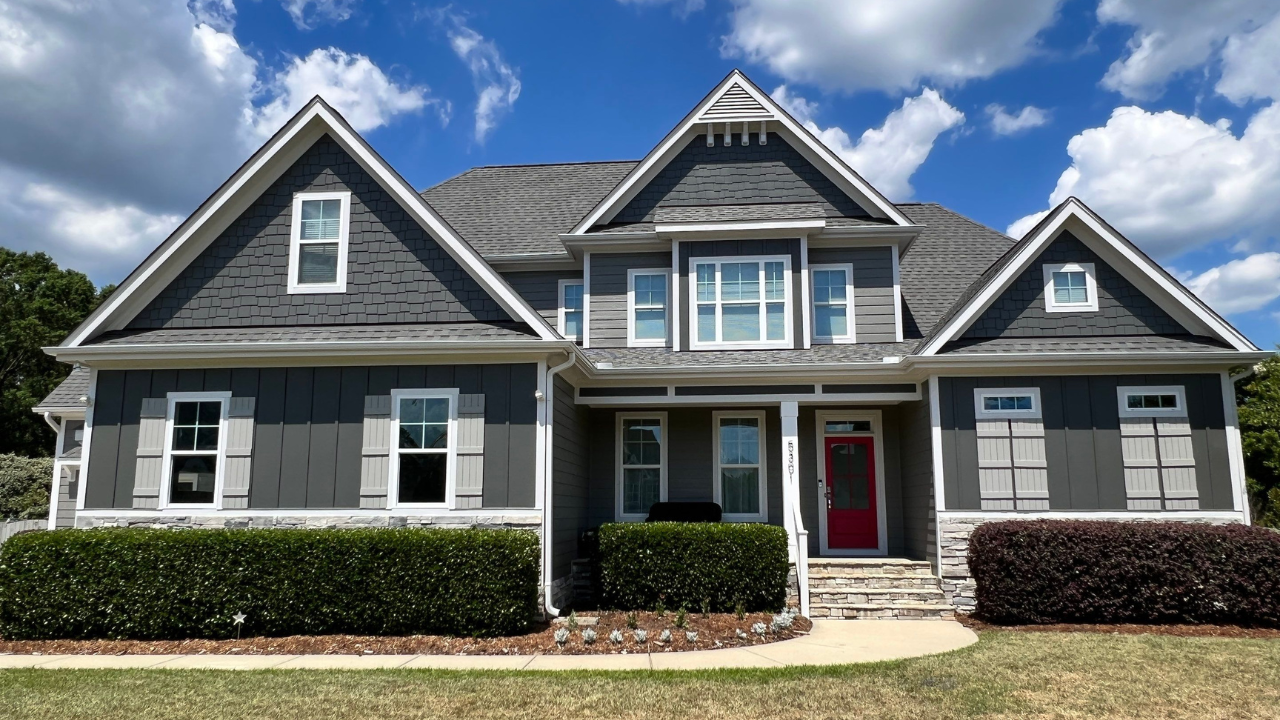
1070, 287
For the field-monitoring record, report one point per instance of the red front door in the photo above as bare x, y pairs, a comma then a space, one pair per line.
851, 493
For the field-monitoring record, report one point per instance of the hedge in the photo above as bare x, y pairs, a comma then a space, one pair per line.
173, 584
640, 565
1073, 571
24, 487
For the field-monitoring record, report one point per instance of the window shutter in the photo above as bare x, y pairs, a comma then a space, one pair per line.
375, 455
1012, 472
235, 482
1159, 463
469, 488
150, 456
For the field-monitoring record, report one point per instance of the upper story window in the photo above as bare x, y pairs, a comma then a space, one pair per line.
1070, 287
1009, 403
647, 293
642, 463
570, 320
741, 302
196, 448
423, 430
318, 242
832, 303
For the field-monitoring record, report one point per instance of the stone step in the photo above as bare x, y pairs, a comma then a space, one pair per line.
871, 580
919, 611
877, 597
863, 568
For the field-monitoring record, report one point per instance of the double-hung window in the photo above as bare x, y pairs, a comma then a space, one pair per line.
424, 426
832, 303
647, 292
570, 320
318, 242
740, 477
741, 302
1070, 287
642, 463
196, 448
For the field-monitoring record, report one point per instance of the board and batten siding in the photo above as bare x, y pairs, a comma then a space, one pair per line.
1082, 438
873, 298
569, 466
740, 248
608, 325
308, 428
541, 289
919, 521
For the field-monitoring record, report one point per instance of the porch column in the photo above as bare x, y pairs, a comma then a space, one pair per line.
797, 536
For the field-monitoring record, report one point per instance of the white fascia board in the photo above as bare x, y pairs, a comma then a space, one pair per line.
720, 229
298, 136
304, 350
1072, 208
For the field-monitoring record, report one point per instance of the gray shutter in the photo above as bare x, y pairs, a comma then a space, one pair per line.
235, 480
469, 490
1012, 471
375, 454
150, 455
1159, 463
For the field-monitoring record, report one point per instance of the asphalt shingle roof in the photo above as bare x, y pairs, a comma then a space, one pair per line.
69, 391
477, 332
1114, 343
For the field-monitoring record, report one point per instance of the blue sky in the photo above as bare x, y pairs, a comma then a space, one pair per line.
1158, 113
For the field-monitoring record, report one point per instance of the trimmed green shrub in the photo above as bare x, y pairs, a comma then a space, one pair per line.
642, 565
174, 584
24, 487
1077, 571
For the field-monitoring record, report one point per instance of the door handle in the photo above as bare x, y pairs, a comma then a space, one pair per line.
826, 492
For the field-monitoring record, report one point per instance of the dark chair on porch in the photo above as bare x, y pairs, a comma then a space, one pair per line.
684, 512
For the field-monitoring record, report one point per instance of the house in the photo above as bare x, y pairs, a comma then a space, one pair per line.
738, 317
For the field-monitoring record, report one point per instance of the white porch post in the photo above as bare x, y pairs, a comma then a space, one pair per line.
797, 536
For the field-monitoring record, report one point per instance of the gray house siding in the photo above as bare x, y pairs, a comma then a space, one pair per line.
1082, 438
738, 175
396, 272
734, 248
919, 521
570, 478
308, 428
1122, 308
873, 299
608, 324
541, 289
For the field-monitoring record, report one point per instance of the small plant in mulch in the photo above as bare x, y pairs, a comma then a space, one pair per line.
682, 618
691, 636
660, 609
641, 636
740, 610
706, 607
588, 636
741, 635
615, 637
572, 622
759, 628
633, 621
664, 636
781, 622
561, 636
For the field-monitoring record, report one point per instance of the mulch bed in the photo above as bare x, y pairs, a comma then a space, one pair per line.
714, 631
1220, 631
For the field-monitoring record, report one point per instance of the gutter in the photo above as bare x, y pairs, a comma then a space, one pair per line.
548, 485
250, 349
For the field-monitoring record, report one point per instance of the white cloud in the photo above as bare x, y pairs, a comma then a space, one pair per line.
352, 84
1251, 64
1171, 182
496, 82
891, 45
1174, 36
889, 155
1240, 285
1006, 123
217, 14
308, 14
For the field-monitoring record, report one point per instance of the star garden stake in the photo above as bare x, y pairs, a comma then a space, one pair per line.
238, 619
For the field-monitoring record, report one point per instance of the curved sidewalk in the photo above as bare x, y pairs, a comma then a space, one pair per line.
832, 642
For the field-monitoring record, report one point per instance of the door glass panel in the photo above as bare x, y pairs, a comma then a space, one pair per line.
850, 480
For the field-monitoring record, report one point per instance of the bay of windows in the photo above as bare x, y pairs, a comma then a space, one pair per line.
741, 302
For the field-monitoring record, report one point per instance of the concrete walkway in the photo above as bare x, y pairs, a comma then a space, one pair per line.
832, 642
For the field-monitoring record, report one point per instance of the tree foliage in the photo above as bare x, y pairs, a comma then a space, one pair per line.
1258, 399
40, 304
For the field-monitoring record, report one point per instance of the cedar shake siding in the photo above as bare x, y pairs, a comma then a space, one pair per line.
396, 272
308, 428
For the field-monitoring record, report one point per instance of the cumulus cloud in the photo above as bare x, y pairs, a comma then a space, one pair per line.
1240, 285
889, 155
891, 45
497, 83
120, 117
1251, 64
1172, 182
1173, 36
308, 14
1005, 123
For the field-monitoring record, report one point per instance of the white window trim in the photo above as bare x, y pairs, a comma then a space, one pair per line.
224, 397
788, 340
1051, 305
1122, 398
295, 241
451, 452
617, 463
979, 394
877, 442
562, 310
717, 489
632, 340
848, 337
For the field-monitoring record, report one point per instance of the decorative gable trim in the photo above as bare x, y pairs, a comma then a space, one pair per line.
737, 99
312, 122
1121, 254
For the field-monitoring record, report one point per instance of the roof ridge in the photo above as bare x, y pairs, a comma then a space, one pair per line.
556, 164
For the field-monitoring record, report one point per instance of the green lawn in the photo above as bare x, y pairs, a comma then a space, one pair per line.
1007, 674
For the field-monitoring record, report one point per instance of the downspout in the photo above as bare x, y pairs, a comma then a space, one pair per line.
48, 417
548, 484
57, 472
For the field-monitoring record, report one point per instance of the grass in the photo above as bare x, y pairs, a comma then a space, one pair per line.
1007, 674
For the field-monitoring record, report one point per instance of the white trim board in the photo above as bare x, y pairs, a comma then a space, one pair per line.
1120, 254
277, 154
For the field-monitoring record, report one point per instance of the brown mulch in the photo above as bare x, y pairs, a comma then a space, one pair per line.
714, 631
1217, 631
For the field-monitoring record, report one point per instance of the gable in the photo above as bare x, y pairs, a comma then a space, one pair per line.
1123, 309
396, 271
773, 173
